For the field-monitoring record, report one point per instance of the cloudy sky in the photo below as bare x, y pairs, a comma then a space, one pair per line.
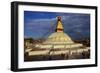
41, 24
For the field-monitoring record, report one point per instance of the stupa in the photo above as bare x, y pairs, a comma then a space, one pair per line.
59, 39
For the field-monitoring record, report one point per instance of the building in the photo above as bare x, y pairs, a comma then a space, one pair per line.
58, 43
59, 39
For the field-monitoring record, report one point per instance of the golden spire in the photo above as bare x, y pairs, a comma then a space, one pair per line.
59, 27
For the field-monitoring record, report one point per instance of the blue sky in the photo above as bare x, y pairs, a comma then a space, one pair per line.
41, 24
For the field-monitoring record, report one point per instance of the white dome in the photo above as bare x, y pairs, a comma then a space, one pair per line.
59, 38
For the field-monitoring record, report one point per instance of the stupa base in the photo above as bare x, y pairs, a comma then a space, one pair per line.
49, 46
58, 51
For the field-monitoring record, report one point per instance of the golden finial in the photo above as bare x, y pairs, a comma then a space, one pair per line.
59, 27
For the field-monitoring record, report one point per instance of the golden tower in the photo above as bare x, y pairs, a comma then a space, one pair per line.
59, 27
